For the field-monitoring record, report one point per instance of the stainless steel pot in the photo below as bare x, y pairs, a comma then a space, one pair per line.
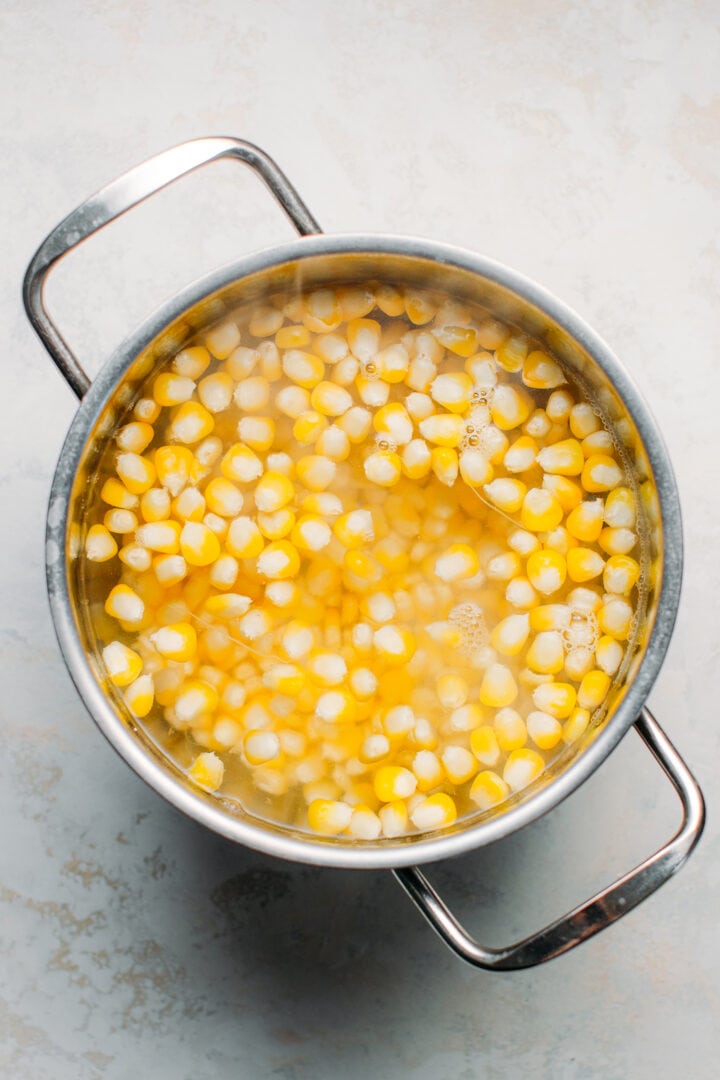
312, 260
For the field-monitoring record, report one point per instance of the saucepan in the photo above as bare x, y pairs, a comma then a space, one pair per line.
316, 259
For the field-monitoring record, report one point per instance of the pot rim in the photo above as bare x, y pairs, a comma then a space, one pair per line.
272, 841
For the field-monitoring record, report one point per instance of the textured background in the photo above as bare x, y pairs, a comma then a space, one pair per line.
575, 141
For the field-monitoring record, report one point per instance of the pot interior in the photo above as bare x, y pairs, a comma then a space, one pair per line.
520, 306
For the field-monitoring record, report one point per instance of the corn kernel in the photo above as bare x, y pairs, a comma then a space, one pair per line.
488, 789
207, 771
393, 363
434, 812
244, 538
329, 817
393, 782
584, 564
498, 687
171, 389
191, 423
601, 473
521, 768
140, 696
620, 509
618, 541
457, 563
356, 423
608, 654
116, 494
274, 490
199, 545
541, 511
555, 698
520, 456
394, 644
176, 642
506, 494
124, 603
444, 463
510, 407
564, 458
541, 372
173, 465
593, 690
383, 468
546, 571
315, 471
520, 594
585, 521
546, 654
475, 469
452, 691
123, 664
544, 730
311, 533
443, 429
279, 560
100, 545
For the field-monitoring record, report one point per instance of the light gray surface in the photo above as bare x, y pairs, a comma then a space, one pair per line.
576, 142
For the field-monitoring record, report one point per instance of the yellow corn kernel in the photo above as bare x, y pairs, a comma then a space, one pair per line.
326, 668
419, 308
292, 337
620, 509
509, 636
546, 571
555, 698
122, 663
160, 536
333, 443
284, 679
147, 410
584, 564
452, 691
100, 545
176, 642
216, 392
116, 494
363, 567
191, 423
510, 407
583, 420
372, 391
506, 493
392, 363
457, 563
383, 468
303, 368
192, 362
311, 533
136, 557
363, 336
498, 687
124, 603
356, 423
520, 456
601, 473
546, 654
136, 472
265, 321
484, 745
394, 644
488, 789
257, 432
207, 771
328, 816
292, 401
140, 696
459, 764
392, 554
169, 569
135, 437
309, 426
189, 505
223, 497
434, 812
222, 339
279, 560
586, 520
274, 490
276, 525
171, 389
120, 521
199, 545
428, 769
521, 768
621, 574
564, 458
544, 730
452, 390
393, 782
566, 491
593, 689
442, 429
520, 594
336, 706
227, 605
394, 421
251, 395
618, 541
224, 571
550, 617
244, 539
174, 466
315, 471
609, 654
575, 725
541, 511
365, 824
475, 469
511, 353
510, 729
355, 528
444, 463
541, 372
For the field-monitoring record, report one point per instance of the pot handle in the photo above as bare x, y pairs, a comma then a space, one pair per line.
600, 910
128, 190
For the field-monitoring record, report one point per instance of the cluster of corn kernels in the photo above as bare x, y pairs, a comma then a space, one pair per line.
375, 548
